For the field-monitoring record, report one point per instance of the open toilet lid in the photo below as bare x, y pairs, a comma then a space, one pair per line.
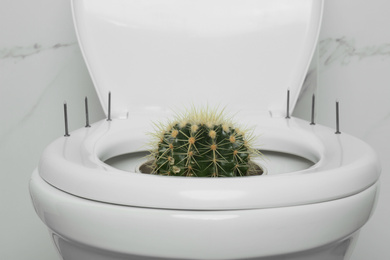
154, 55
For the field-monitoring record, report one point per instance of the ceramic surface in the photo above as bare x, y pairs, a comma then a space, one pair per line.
168, 54
164, 233
255, 200
341, 169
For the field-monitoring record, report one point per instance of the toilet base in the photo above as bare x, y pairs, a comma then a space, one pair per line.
84, 229
340, 250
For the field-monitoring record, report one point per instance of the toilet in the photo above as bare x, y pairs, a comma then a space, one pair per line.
156, 57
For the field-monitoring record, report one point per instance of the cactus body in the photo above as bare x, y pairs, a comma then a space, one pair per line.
202, 144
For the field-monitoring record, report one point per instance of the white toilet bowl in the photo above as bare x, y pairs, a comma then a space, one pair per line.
93, 208
320, 187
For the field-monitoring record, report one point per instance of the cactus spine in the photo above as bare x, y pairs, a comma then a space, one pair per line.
202, 143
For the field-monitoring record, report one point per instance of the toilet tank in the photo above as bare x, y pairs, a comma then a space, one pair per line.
154, 55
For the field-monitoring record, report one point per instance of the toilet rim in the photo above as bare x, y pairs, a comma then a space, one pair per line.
344, 166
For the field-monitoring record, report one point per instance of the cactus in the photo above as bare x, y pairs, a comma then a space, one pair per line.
203, 143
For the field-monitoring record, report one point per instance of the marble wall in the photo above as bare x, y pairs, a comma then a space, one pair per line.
352, 66
41, 67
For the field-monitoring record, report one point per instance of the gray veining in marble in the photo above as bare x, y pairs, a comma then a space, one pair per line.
344, 50
21, 52
10, 56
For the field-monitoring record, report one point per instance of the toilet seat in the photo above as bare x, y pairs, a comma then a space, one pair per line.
344, 166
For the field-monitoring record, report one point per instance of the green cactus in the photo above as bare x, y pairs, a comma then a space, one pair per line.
203, 143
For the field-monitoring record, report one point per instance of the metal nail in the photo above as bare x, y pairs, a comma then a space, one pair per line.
288, 104
313, 101
66, 120
86, 113
109, 107
337, 119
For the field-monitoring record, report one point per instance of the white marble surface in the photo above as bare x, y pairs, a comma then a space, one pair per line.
41, 66
352, 66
